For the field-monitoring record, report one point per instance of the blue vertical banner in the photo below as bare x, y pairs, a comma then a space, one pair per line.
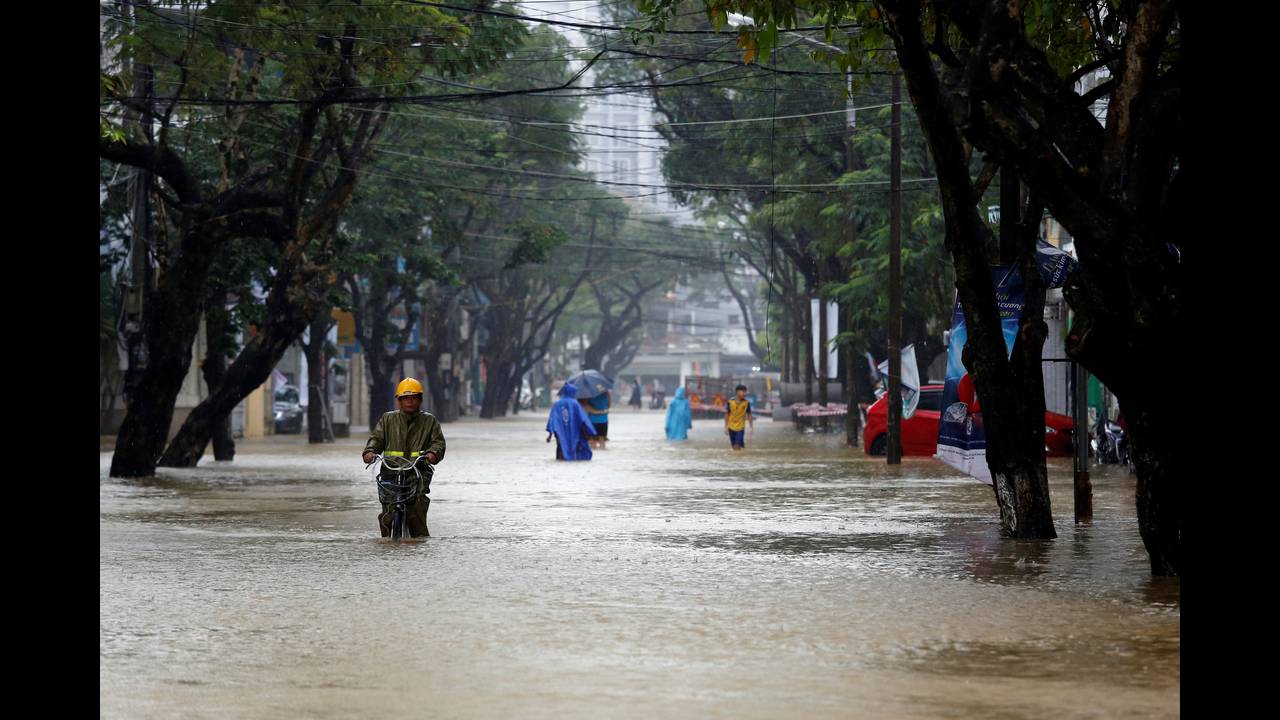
962, 442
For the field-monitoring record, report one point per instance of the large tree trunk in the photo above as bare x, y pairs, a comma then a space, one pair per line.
517, 387
593, 356
286, 320
853, 414
175, 308
501, 354
442, 338
171, 323
317, 387
1157, 431
1156, 437
520, 332
444, 401
382, 391
497, 393
1141, 377
1013, 414
1116, 189
443, 387
373, 330
217, 328
1022, 491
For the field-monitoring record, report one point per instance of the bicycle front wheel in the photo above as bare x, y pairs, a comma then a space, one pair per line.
397, 524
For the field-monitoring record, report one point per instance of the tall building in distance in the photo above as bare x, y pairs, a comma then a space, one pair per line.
617, 129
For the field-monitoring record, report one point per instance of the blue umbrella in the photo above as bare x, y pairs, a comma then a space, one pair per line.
590, 383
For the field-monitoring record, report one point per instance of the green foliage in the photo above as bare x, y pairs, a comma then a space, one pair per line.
277, 58
838, 210
536, 241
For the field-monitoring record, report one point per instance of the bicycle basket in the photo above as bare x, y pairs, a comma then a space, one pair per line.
398, 486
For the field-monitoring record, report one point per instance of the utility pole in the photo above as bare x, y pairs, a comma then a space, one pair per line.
1083, 486
822, 342
138, 286
894, 450
786, 346
852, 416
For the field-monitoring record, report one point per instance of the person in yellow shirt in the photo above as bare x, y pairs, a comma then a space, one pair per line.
737, 415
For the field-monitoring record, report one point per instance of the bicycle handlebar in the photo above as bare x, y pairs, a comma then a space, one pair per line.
398, 460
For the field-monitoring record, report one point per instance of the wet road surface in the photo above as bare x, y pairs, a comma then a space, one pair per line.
794, 579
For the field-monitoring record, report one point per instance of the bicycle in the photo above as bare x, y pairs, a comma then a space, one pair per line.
400, 489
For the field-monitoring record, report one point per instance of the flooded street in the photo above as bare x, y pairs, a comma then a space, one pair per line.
795, 579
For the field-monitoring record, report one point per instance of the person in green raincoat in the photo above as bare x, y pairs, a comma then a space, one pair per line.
408, 432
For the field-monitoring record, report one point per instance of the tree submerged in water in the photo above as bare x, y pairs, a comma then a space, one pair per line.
1020, 82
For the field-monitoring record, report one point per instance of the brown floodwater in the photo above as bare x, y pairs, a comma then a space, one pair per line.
795, 579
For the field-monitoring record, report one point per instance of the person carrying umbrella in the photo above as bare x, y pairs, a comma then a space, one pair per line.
598, 410
594, 394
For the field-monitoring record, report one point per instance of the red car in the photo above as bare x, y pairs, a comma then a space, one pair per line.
920, 431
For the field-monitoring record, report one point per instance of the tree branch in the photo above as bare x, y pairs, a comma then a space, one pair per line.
1098, 91
1143, 44
985, 177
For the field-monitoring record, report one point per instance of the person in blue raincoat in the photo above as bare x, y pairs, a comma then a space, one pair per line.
569, 424
679, 417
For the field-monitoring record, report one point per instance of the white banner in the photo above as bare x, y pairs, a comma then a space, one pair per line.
340, 392
833, 320
910, 380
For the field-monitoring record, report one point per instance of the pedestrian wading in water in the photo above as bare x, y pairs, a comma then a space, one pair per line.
408, 432
736, 417
679, 417
598, 410
570, 425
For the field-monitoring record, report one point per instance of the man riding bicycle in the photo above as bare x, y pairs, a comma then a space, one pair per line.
409, 433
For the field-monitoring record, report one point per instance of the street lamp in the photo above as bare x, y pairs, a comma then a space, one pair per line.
736, 20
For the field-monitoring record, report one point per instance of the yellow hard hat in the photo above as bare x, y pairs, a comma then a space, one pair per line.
408, 386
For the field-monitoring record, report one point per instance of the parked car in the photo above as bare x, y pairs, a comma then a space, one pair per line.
290, 416
920, 431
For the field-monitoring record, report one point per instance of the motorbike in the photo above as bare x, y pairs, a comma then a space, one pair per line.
1110, 445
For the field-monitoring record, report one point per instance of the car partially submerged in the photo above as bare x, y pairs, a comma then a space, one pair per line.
290, 416
920, 431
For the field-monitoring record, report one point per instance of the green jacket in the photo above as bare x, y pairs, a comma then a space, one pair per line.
399, 432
